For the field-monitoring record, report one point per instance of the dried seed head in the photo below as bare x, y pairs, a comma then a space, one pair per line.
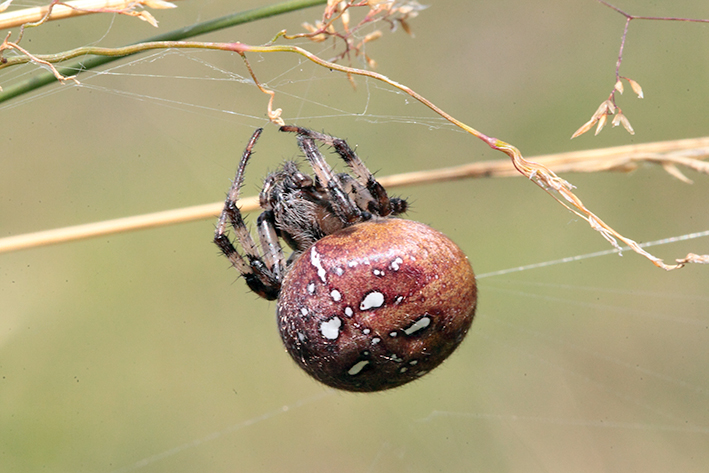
586, 126
331, 7
601, 123
157, 4
345, 19
146, 16
616, 119
636, 87
626, 124
619, 86
605, 108
621, 119
318, 38
374, 35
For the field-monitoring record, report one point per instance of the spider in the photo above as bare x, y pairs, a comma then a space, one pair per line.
299, 209
366, 301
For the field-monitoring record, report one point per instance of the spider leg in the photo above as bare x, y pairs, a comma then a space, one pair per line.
380, 203
263, 277
231, 212
355, 190
341, 202
270, 245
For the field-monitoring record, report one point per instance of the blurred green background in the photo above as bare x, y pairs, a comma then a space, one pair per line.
144, 352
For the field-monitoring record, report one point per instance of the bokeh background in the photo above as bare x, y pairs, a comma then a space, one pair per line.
144, 352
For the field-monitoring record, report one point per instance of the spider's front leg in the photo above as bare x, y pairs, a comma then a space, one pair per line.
379, 202
343, 206
262, 275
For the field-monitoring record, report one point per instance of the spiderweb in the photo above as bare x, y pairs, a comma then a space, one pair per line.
143, 352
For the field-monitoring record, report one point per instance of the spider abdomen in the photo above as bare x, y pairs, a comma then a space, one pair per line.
377, 304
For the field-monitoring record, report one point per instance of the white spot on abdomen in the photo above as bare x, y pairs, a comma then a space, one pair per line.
357, 367
315, 261
336, 296
396, 264
420, 324
330, 329
372, 300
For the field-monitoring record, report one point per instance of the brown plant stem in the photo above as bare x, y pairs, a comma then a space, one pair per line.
556, 187
621, 158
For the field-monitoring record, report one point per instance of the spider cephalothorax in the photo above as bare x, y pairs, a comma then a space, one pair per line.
366, 301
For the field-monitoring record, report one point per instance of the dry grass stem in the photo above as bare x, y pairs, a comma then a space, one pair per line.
9, 45
687, 153
394, 13
61, 10
538, 172
609, 106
